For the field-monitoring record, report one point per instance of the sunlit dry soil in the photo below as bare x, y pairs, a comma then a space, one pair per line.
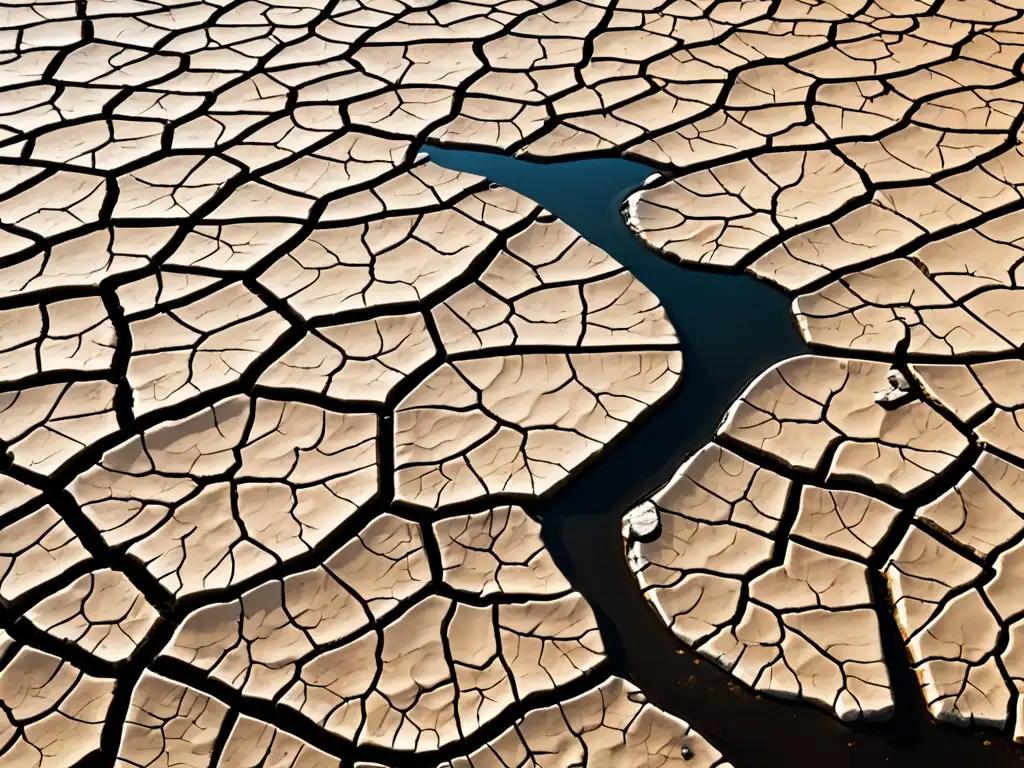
278, 394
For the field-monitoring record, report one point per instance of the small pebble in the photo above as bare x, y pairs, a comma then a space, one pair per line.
899, 389
641, 522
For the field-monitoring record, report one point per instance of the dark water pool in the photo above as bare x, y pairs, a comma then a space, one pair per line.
732, 327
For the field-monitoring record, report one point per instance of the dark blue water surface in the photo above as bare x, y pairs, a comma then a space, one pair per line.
732, 328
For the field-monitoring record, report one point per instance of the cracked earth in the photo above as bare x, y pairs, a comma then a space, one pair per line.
880, 185
277, 394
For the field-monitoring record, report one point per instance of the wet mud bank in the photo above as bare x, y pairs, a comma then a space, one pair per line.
732, 327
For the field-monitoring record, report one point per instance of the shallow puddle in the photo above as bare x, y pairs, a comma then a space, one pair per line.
732, 328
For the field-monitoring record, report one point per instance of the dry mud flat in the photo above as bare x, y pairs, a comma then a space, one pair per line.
276, 397
899, 448
767, 535
250, 517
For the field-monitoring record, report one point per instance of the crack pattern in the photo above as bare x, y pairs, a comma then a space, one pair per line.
245, 329
277, 393
869, 166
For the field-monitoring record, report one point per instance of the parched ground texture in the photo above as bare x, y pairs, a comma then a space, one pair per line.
867, 161
258, 508
277, 394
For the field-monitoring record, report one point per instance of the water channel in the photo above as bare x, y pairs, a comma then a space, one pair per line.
732, 327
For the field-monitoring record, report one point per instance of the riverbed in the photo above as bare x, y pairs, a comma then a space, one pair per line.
732, 327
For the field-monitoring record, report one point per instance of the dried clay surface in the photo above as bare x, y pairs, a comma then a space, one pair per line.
829, 495
276, 395
866, 159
